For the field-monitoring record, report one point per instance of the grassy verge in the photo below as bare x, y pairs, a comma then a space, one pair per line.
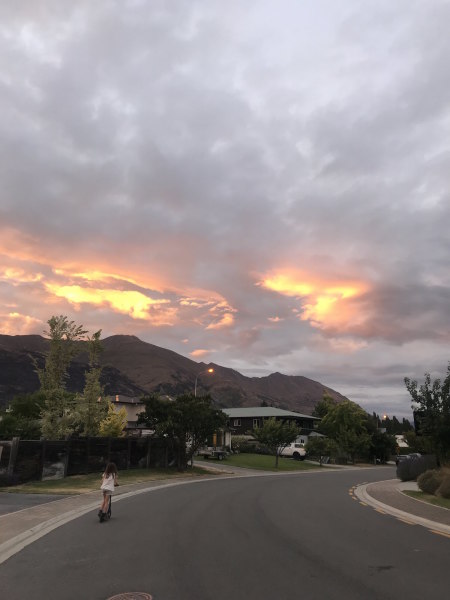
442, 502
265, 463
81, 484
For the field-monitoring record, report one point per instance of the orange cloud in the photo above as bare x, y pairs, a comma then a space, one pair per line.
16, 276
130, 302
199, 352
226, 321
98, 276
325, 303
16, 324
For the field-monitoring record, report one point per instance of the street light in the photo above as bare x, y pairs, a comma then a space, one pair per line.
197, 376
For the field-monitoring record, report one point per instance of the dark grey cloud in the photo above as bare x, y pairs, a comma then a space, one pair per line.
197, 147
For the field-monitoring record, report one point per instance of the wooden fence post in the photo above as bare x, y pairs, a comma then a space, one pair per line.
147, 462
13, 456
43, 458
129, 453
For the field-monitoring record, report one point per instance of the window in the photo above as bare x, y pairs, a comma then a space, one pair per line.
237, 423
255, 423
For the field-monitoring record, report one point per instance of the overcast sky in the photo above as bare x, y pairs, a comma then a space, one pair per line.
263, 185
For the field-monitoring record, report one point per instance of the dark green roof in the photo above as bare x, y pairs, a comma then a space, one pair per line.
263, 411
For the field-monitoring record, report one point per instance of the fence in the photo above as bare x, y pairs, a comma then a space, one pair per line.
28, 460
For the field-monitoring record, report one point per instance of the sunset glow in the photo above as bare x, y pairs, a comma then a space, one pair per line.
134, 304
323, 303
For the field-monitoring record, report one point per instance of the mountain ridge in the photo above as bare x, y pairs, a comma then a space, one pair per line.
133, 367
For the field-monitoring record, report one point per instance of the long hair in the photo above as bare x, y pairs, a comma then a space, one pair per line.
111, 469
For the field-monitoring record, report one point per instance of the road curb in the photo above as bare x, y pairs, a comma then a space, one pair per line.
363, 495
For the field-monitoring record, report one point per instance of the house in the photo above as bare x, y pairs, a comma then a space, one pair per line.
241, 421
133, 406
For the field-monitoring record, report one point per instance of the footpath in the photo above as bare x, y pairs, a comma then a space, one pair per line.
387, 496
23, 527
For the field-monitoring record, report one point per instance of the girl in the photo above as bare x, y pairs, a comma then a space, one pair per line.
109, 480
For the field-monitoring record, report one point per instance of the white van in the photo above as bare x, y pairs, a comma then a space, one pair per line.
295, 450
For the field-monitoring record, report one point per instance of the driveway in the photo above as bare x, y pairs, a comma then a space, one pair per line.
10, 502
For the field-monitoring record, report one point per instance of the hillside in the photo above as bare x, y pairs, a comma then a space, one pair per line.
132, 367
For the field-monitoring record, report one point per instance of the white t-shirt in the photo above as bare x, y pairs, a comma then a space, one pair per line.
108, 483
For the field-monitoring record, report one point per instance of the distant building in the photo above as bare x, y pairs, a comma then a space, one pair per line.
133, 406
241, 421
400, 441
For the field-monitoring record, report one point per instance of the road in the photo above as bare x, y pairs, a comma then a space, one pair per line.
273, 537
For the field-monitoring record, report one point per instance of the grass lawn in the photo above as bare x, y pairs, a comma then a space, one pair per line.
442, 502
265, 463
81, 484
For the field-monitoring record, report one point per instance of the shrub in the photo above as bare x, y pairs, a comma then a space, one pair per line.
410, 468
444, 489
429, 481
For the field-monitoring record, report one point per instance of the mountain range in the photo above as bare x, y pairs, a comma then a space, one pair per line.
131, 367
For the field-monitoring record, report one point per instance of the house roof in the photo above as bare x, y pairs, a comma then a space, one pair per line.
263, 411
126, 399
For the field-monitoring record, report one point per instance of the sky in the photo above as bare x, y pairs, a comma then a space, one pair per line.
263, 185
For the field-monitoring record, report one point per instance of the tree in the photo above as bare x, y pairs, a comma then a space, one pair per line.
59, 414
91, 406
63, 335
22, 418
431, 405
324, 406
114, 423
382, 446
321, 446
276, 435
186, 421
346, 423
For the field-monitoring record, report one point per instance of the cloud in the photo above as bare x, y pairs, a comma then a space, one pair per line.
15, 323
199, 352
158, 164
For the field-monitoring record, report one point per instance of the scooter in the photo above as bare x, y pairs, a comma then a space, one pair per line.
107, 515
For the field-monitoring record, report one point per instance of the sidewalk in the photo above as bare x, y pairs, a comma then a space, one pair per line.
387, 496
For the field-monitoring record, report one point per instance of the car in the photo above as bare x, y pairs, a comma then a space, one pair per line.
295, 450
400, 457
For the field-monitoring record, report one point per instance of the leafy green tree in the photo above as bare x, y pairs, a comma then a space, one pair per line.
114, 423
59, 413
346, 423
382, 446
418, 443
64, 336
324, 406
186, 421
22, 418
91, 405
321, 447
431, 403
276, 435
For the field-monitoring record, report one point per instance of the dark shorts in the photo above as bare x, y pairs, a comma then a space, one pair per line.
107, 492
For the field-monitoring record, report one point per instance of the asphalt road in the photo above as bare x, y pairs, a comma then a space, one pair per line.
275, 537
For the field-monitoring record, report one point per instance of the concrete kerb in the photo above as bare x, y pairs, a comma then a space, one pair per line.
362, 494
